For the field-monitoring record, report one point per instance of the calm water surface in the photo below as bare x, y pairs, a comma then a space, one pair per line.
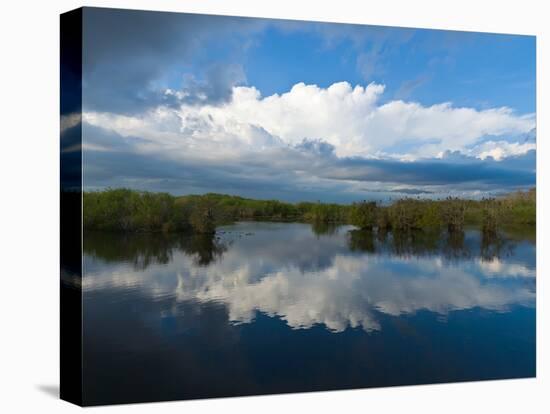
287, 307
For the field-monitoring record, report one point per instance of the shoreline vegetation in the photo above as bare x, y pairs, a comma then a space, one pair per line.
125, 210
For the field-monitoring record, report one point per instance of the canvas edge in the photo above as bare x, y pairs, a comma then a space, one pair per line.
71, 380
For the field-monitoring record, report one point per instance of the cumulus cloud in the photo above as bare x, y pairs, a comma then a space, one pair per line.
313, 141
351, 119
308, 171
499, 150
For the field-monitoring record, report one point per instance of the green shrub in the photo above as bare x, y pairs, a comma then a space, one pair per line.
364, 214
138, 211
405, 214
453, 213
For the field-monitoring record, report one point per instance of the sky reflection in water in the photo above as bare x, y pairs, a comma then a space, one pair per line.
285, 270
287, 307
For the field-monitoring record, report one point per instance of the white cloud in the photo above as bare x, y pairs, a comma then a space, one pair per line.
68, 121
501, 149
352, 119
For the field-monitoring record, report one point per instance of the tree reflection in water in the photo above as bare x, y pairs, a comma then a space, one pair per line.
454, 247
322, 228
361, 240
143, 250
494, 245
451, 245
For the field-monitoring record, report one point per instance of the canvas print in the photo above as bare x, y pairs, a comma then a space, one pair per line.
257, 206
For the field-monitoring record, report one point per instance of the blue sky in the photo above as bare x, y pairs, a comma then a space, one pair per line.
303, 110
432, 66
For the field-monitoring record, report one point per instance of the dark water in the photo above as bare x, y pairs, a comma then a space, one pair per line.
286, 307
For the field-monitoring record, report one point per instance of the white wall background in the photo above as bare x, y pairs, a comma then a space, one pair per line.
29, 85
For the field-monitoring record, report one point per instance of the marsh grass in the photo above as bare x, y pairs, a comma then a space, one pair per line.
127, 210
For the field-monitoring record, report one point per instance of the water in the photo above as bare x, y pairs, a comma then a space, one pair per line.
287, 307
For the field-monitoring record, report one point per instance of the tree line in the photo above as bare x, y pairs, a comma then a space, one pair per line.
128, 210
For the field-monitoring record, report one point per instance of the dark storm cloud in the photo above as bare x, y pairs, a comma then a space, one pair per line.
215, 87
454, 168
111, 160
129, 53
150, 173
411, 191
308, 171
450, 170
408, 191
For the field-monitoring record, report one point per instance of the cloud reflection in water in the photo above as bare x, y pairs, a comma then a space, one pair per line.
287, 271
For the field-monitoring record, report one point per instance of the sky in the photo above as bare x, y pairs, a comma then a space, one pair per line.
295, 110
